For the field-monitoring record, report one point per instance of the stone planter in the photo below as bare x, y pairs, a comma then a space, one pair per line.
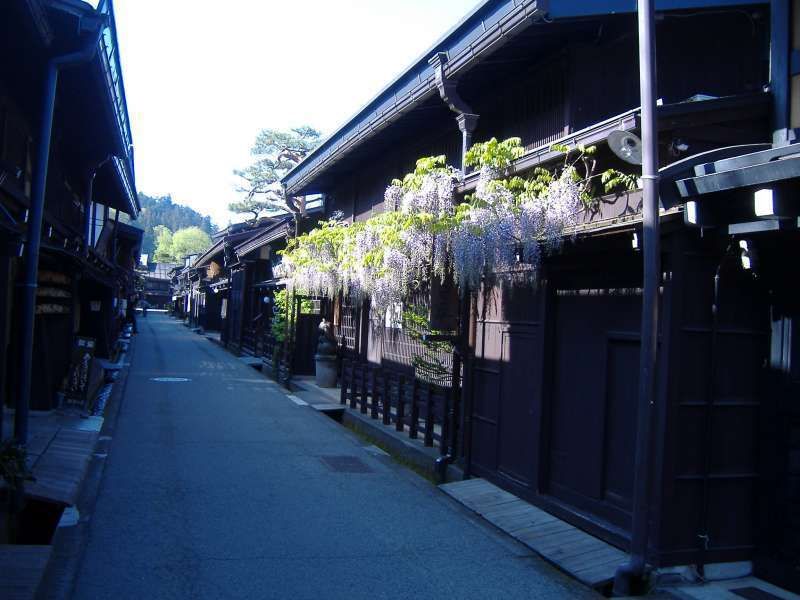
326, 370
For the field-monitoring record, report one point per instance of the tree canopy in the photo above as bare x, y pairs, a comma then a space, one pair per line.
276, 152
162, 211
173, 247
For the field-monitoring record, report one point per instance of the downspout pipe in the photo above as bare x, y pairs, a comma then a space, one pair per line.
629, 578
88, 213
34, 234
466, 117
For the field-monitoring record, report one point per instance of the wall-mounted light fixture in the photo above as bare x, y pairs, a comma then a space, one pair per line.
748, 254
691, 212
764, 202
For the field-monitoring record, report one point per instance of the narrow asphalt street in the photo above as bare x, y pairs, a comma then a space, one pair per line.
218, 487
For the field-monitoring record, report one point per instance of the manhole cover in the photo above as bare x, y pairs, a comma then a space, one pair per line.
752, 593
345, 464
170, 379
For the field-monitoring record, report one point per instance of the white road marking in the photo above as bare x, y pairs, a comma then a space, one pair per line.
170, 379
297, 400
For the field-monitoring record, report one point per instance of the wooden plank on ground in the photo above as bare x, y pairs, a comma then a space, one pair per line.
59, 471
588, 559
21, 570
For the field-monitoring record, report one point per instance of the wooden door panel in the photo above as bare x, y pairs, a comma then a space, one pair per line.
519, 385
620, 424
593, 402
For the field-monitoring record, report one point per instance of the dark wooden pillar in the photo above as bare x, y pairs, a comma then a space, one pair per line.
5, 315
780, 44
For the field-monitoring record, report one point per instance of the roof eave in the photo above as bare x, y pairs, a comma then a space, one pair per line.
362, 126
521, 14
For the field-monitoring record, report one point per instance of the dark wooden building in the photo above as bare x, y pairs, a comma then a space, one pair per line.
157, 284
548, 402
224, 285
87, 255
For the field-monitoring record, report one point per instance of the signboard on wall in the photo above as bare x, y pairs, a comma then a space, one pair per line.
77, 387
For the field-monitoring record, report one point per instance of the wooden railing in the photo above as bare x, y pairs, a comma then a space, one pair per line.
414, 407
253, 337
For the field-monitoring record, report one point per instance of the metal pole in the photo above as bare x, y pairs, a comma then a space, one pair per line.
628, 575
34, 233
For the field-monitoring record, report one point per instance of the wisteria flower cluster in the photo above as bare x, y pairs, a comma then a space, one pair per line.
387, 256
424, 233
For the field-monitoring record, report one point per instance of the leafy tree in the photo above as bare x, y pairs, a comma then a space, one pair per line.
190, 240
276, 153
163, 251
172, 247
163, 211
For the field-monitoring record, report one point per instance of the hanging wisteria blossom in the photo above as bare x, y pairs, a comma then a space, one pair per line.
423, 233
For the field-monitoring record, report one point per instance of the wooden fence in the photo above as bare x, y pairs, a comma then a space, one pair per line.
422, 410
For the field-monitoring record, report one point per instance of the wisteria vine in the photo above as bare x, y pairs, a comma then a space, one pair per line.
506, 226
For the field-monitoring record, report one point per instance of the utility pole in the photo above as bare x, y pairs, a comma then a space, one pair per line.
631, 574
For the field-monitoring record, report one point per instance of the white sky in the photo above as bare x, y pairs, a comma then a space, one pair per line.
203, 77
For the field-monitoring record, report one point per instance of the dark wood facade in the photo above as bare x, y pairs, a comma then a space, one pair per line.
87, 257
553, 391
549, 386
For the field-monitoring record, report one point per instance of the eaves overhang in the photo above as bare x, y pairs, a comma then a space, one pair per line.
488, 27
748, 189
92, 108
131, 198
207, 256
753, 169
39, 18
669, 116
276, 232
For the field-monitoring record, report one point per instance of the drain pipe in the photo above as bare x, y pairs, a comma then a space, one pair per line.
629, 577
88, 213
708, 428
466, 117
34, 234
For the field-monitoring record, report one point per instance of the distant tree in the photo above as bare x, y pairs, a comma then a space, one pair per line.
190, 240
163, 211
163, 251
276, 152
173, 247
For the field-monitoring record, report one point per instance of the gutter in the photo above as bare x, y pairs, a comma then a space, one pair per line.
34, 233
